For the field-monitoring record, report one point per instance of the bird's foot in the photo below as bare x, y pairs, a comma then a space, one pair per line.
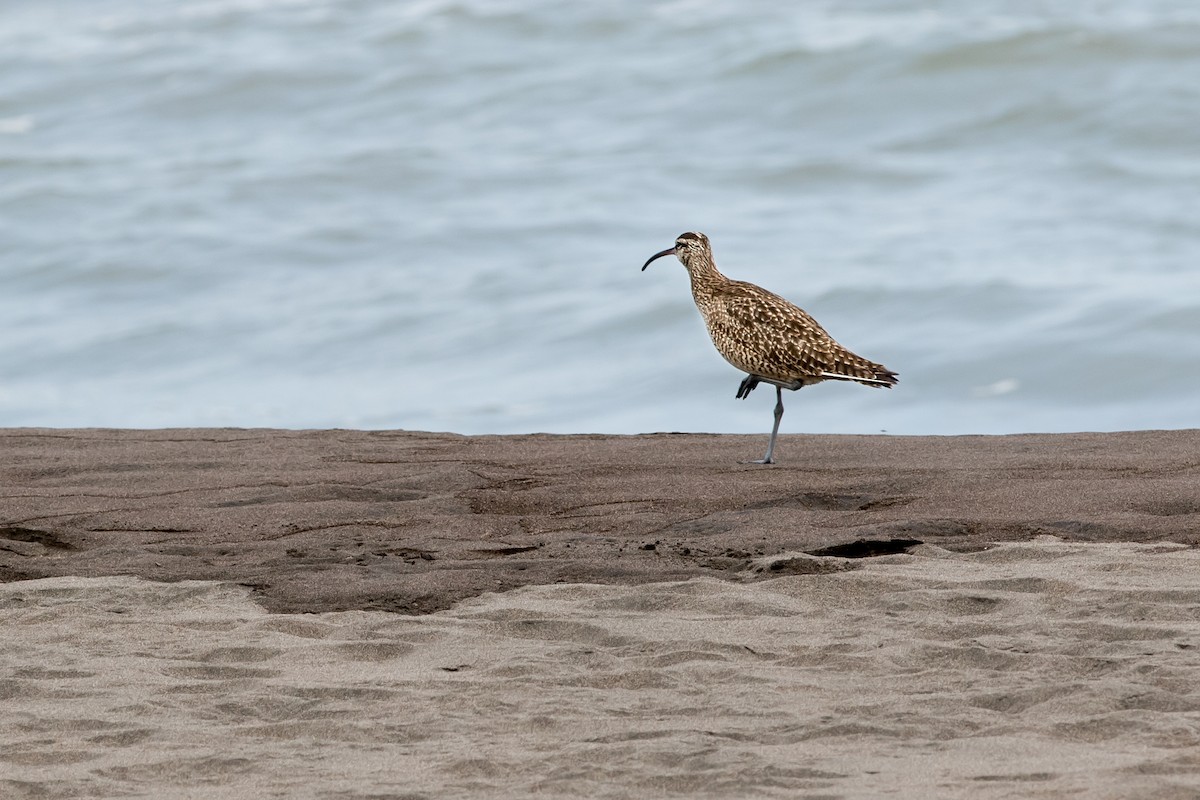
759, 461
747, 387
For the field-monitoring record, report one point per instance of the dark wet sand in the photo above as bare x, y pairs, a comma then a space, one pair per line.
413, 522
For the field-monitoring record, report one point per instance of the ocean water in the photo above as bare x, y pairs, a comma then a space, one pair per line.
432, 215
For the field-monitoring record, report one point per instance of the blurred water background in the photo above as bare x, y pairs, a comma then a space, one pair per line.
431, 214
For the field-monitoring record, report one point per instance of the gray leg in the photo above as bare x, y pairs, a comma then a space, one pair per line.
775, 430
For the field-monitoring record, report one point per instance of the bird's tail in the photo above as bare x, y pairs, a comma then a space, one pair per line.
859, 370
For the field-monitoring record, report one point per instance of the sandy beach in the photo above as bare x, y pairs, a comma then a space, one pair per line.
213, 613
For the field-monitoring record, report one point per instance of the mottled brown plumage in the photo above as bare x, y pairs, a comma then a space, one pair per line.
765, 336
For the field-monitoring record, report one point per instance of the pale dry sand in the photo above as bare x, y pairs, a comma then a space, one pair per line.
1033, 669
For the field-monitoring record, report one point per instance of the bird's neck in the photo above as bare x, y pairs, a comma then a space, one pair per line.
706, 278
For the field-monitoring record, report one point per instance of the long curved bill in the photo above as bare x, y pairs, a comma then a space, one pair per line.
670, 251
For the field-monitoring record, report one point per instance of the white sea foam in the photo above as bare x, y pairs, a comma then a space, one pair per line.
16, 125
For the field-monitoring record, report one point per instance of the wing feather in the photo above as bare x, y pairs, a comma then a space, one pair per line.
763, 334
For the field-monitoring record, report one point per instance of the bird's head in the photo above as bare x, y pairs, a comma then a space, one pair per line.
691, 248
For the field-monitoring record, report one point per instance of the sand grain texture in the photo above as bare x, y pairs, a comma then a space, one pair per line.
1041, 669
611, 617
413, 522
